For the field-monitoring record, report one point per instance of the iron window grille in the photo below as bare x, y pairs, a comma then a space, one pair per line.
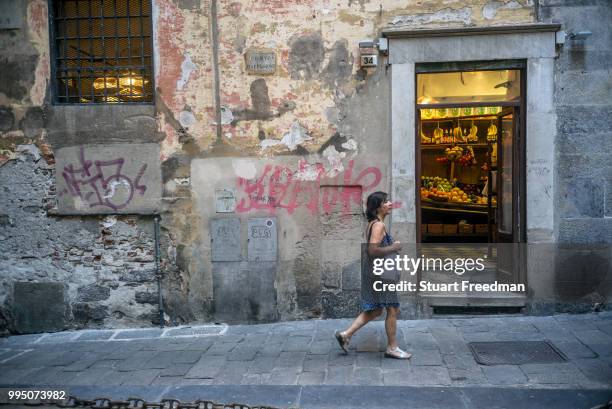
102, 51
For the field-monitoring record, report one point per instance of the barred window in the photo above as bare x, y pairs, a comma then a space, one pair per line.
102, 51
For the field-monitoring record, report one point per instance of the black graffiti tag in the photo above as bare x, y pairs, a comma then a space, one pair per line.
96, 182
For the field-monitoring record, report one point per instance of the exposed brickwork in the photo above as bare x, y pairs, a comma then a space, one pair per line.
103, 261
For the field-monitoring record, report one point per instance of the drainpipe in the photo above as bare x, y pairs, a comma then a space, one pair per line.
214, 28
158, 274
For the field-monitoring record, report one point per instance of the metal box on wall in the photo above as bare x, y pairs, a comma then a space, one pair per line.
226, 243
262, 239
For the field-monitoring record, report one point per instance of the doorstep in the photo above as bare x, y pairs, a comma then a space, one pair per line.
492, 299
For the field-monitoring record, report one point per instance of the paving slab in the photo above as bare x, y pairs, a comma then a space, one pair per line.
339, 375
167, 358
575, 350
231, 373
467, 376
430, 375
504, 375
397, 377
297, 343
261, 364
283, 376
243, 352
140, 377
176, 370
293, 360
315, 363
369, 359
322, 347
367, 376
207, 367
254, 379
90, 376
427, 357
311, 378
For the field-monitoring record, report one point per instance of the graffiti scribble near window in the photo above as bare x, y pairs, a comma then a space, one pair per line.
104, 180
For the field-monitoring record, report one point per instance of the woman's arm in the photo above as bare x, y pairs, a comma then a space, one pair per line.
376, 237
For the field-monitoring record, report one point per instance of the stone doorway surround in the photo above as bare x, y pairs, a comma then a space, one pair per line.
534, 43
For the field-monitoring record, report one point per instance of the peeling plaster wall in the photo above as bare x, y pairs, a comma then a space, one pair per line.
317, 49
184, 81
319, 110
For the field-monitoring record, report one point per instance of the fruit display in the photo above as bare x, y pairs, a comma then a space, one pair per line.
454, 195
470, 189
425, 139
472, 136
438, 134
453, 153
442, 190
459, 196
468, 159
434, 195
442, 184
458, 134
436, 188
492, 133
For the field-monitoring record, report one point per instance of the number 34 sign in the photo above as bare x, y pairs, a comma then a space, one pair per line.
369, 60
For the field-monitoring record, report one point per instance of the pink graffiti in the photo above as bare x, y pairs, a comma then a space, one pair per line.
97, 186
279, 187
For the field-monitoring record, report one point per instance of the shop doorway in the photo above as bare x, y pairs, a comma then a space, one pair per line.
471, 167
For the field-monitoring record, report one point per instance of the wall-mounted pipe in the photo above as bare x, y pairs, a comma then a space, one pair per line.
158, 274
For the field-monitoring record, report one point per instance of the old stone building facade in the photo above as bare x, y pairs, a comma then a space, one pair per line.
262, 137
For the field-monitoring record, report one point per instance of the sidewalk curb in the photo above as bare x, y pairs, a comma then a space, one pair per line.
343, 396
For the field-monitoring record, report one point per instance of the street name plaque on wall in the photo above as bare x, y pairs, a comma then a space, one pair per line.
263, 241
260, 61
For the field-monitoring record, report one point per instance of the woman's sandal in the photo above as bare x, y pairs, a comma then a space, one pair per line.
342, 340
397, 353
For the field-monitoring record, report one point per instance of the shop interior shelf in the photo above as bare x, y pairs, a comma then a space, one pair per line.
450, 145
485, 117
427, 204
455, 234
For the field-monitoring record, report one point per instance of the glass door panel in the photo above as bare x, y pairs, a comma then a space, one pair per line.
505, 175
508, 251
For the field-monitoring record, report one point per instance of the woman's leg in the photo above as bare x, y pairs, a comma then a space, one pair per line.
361, 320
391, 326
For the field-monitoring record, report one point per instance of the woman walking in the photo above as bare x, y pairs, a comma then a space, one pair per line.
380, 243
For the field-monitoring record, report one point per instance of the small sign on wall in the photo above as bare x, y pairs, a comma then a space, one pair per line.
260, 61
11, 14
225, 200
369, 60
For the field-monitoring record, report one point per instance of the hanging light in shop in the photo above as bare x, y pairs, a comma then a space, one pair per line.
105, 83
130, 85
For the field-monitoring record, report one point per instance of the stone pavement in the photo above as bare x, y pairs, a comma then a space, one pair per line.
304, 353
